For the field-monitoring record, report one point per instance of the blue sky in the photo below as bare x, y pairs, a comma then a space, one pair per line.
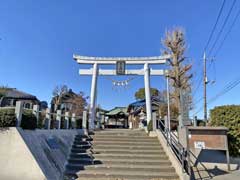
38, 39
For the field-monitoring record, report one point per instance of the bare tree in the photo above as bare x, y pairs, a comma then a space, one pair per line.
78, 103
58, 93
175, 45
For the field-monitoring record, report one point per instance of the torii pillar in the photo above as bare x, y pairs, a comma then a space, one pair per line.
147, 92
92, 118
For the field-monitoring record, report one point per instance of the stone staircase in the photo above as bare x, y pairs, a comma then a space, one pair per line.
118, 155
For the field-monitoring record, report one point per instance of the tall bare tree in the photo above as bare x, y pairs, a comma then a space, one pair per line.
79, 103
175, 45
58, 93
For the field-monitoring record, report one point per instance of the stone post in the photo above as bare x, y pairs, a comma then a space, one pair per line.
18, 112
66, 120
103, 121
165, 123
84, 120
98, 120
48, 119
58, 119
154, 121
36, 112
73, 120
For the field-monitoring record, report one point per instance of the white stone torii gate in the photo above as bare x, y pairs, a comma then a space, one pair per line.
95, 71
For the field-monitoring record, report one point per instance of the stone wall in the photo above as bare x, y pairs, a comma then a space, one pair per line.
50, 149
34, 154
16, 160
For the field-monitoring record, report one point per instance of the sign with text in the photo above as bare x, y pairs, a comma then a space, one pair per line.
120, 68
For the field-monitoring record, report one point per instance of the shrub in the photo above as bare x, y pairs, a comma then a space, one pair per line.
29, 121
7, 117
228, 116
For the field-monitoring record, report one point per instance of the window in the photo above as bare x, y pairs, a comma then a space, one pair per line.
27, 105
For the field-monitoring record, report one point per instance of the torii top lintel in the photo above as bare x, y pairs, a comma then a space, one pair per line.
128, 60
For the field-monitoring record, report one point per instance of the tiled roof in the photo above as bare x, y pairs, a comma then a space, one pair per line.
14, 93
117, 110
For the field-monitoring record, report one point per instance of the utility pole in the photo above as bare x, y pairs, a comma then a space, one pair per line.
205, 81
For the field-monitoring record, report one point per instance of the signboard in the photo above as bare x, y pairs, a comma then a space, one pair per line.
199, 145
120, 68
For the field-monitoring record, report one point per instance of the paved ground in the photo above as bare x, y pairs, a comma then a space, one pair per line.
216, 174
231, 176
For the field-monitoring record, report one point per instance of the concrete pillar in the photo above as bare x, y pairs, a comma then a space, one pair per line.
18, 112
165, 123
73, 120
48, 119
147, 92
98, 120
102, 121
84, 120
154, 121
93, 97
66, 120
58, 119
36, 112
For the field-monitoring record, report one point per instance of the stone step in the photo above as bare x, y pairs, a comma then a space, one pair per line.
82, 136
81, 146
128, 139
131, 156
108, 173
146, 143
80, 142
122, 167
135, 147
126, 151
80, 155
125, 177
83, 139
126, 161
82, 150
79, 149
86, 161
123, 137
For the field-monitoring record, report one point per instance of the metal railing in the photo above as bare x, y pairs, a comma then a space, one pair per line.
177, 148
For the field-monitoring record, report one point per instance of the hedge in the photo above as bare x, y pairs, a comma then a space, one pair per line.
29, 120
228, 116
7, 117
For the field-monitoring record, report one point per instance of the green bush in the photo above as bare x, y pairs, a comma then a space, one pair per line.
228, 116
150, 126
7, 117
29, 121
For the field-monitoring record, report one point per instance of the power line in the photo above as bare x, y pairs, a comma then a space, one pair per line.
225, 90
215, 25
223, 26
229, 87
228, 32
209, 39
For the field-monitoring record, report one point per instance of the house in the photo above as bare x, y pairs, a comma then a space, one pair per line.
9, 97
69, 102
137, 112
117, 118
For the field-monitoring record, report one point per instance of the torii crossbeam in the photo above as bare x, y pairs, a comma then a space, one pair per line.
95, 71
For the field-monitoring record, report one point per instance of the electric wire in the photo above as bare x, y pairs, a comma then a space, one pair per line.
228, 32
215, 25
222, 28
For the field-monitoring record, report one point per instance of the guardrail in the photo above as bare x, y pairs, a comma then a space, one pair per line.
172, 141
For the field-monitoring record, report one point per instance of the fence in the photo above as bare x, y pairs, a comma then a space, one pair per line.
61, 121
